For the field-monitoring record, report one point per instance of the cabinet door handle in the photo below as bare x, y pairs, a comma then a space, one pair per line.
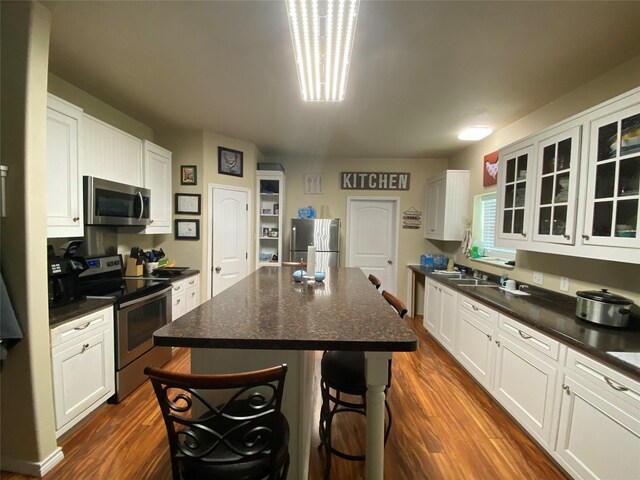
498, 343
177, 288
177, 301
75, 219
84, 347
475, 308
586, 237
150, 222
83, 326
566, 389
524, 335
192, 282
619, 388
524, 234
489, 337
567, 237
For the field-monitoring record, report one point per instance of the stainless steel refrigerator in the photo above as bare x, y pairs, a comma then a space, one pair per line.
324, 234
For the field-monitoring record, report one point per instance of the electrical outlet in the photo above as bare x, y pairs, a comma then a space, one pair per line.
538, 278
564, 284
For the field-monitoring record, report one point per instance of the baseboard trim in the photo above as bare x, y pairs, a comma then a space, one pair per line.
35, 469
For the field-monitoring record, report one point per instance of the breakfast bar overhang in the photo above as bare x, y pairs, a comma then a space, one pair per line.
267, 318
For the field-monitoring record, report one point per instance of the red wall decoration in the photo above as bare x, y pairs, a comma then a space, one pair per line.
490, 169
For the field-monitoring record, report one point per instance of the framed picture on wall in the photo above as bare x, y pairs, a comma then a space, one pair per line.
187, 229
188, 203
188, 175
230, 162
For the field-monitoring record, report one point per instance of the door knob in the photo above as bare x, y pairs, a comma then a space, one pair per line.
218, 269
389, 262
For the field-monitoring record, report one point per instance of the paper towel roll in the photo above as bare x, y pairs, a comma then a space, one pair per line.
311, 260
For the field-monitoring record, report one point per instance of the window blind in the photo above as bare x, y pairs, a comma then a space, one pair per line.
488, 207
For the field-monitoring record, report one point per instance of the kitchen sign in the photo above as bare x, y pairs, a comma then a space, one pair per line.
374, 181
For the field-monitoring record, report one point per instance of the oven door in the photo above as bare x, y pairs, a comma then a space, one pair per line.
136, 321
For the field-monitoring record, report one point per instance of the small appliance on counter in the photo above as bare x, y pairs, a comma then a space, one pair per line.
603, 308
63, 272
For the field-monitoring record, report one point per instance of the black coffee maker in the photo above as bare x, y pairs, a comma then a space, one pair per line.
63, 274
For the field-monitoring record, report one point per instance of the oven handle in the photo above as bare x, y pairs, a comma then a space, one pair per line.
141, 205
146, 298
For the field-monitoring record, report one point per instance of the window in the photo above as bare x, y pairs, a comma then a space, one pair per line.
484, 227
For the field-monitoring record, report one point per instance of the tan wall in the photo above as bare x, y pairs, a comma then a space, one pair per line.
411, 242
26, 402
583, 273
97, 108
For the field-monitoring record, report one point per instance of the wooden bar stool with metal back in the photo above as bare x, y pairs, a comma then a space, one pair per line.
344, 372
245, 437
375, 280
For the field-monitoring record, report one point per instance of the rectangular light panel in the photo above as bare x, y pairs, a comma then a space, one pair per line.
322, 33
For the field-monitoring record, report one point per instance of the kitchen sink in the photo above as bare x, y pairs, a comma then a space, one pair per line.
473, 282
450, 275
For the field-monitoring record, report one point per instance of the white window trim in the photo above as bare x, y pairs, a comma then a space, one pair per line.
496, 255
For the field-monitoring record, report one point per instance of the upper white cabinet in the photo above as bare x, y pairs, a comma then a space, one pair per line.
110, 153
614, 178
64, 181
157, 178
270, 202
447, 202
573, 189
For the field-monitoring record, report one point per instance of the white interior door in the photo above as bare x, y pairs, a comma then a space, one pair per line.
229, 237
372, 237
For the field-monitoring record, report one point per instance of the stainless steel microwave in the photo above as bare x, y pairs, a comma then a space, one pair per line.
112, 203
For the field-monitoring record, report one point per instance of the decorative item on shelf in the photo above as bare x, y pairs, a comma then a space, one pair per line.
187, 203
273, 233
265, 257
276, 209
188, 175
265, 231
230, 162
266, 211
187, 229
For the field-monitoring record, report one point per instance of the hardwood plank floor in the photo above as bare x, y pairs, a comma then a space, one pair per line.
444, 427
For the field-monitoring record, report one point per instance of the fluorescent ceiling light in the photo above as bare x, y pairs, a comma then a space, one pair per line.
322, 32
475, 133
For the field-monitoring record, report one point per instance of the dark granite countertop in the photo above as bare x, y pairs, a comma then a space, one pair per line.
60, 315
554, 314
176, 278
268, 310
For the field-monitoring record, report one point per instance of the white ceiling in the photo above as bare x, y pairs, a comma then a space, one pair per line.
420, 70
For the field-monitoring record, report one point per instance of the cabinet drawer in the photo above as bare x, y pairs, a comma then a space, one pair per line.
478, 309
529, 336
75, 328
178, 287
621, 386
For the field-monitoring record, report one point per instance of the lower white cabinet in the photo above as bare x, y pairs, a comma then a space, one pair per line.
82, 367
474, 347
441, 305
185, 296
599, 432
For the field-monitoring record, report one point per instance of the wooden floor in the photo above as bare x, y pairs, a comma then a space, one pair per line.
444, 427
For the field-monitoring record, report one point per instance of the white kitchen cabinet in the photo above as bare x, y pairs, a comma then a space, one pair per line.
525, 379
157, 178
515, 189
586, 185
64, 181
556, 198
82, 357
599, 432
441, 305
446, 205
613, 187
185, 296
110, 153
474, 347
269, 228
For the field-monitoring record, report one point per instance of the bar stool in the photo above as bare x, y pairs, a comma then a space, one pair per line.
245, 437
375, 280
344, 373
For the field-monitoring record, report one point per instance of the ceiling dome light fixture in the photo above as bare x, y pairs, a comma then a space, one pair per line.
475, 133
322, 33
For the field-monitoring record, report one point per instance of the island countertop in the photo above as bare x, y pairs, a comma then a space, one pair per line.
268, 310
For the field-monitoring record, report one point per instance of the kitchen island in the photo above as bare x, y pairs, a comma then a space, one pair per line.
267, 318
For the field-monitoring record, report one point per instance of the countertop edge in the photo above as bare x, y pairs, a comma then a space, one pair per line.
73, 311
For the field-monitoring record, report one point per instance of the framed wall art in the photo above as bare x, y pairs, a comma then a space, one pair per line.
187, 229
188, 203
188, 175
490, 169
230, 162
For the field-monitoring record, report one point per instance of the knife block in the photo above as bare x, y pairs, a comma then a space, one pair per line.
133, 270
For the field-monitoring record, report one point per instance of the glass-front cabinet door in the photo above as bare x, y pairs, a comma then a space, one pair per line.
614, 180
556, 195
515, 183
